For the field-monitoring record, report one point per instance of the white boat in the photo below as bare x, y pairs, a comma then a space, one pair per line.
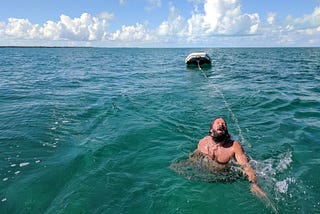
198, 59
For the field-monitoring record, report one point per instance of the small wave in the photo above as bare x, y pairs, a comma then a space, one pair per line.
275, 103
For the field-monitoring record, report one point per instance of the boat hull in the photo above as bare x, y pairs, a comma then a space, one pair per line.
198, 59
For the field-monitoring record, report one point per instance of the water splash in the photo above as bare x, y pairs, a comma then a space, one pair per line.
201, 169
270, 172
282, 186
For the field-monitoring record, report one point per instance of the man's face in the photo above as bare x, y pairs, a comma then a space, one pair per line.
219, 127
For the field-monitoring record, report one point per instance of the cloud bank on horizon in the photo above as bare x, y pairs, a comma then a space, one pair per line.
211, 23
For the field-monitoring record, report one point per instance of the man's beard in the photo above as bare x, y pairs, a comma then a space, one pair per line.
219, 137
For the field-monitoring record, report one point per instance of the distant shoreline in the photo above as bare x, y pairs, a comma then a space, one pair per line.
43, 47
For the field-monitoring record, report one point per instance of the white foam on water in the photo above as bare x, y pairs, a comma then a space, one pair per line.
269, 171
24, 164
285, 161
273, 178
273, 166
53, 145
282, 186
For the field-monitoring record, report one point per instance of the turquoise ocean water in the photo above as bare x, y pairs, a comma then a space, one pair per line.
95, 130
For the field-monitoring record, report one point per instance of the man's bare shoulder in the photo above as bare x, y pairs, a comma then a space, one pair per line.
203, 143
206, 139
237, 146
236, 143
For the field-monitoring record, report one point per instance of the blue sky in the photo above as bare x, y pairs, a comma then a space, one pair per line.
160, 23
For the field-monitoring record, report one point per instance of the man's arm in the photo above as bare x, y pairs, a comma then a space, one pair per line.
243, 162
255, 188
203, 146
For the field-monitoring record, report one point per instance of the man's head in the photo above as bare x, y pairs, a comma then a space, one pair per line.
218, 130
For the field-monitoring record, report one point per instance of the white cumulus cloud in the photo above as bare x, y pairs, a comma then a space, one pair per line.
132, 33
271, 18
84, 28
223, 17
211, 22
292, 31
19, 28
174, 25
219, 18
306, 21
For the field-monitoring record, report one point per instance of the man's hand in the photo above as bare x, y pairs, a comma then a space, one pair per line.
255, 189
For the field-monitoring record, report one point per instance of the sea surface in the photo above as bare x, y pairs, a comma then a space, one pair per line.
97, 130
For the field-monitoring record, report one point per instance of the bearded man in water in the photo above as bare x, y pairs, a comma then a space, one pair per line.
219, 149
